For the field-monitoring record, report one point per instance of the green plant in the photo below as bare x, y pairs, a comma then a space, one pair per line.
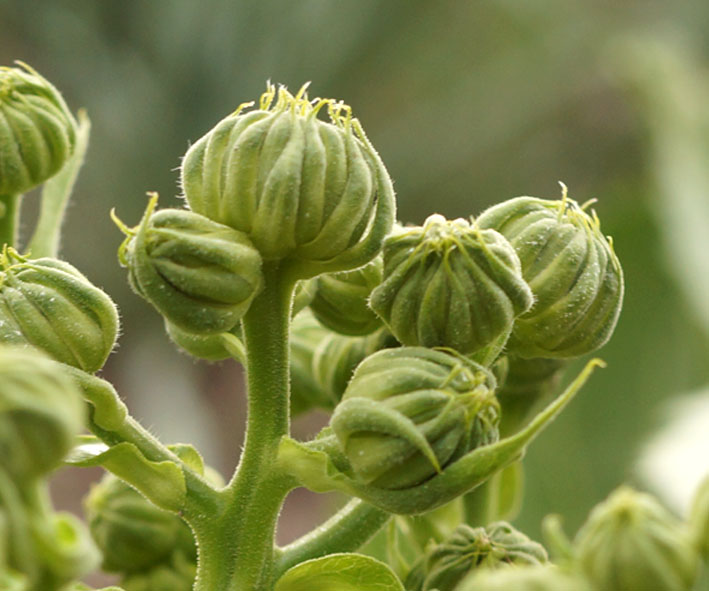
287, 210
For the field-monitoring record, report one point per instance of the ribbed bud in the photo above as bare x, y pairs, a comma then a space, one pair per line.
409, 412
41, 412
133, 534
572, 269
631, 542
499, 544
50, 305
528, 384
450, 284
341, 300
200, 275
305, 337
301, 189
337, 356
533, 578
37, 130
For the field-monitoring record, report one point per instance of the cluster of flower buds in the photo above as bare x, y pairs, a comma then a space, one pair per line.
497, 545
37, 130
408, 412
150, 547
48, 304
303, 190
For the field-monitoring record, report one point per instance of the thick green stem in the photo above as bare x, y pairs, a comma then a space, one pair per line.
237, 549
346, 531
9, 219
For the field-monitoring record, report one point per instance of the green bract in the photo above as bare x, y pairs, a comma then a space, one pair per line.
133, 534
496, 545
409, 412
631, 542
37, 130
312, 192
450, 284
341, 299
50, 305
573, 272
41, 412
200, 275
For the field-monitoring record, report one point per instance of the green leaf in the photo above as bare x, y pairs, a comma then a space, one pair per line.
163, 483
340, 572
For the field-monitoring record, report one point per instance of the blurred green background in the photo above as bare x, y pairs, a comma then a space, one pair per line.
468, 103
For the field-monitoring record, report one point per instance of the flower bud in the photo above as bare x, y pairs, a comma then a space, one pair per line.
409, 412
177, 575
532, 578
572, 269
133, 534
313, 192
528, 384
341, 300
41, 412
631, 542
337, 356
200, 275
50, 305
37, 130
499, 544
450, 284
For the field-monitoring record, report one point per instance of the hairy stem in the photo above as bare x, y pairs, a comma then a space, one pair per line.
346, 531
237, 550
9, 219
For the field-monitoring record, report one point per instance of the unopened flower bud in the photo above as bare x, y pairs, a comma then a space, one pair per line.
133, 534
499, 544
200, 275
41, 412
532, 578
37, 130
408, 412
341, 299
312, 192
572, 269
450, 284
630, 541
50, 305
177, 575
338, 355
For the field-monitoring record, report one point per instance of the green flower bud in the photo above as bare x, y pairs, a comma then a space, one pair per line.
409, 412
532, 578
210, 347
573, 272
337, 356
631, 542
177, 575
200, 275
305, 337
312, 192
50, 305
499, 544
341, 299
450, 284
528, 384
37, 130
133, 534
41, 412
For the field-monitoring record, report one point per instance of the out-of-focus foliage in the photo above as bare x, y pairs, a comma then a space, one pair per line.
468, 103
